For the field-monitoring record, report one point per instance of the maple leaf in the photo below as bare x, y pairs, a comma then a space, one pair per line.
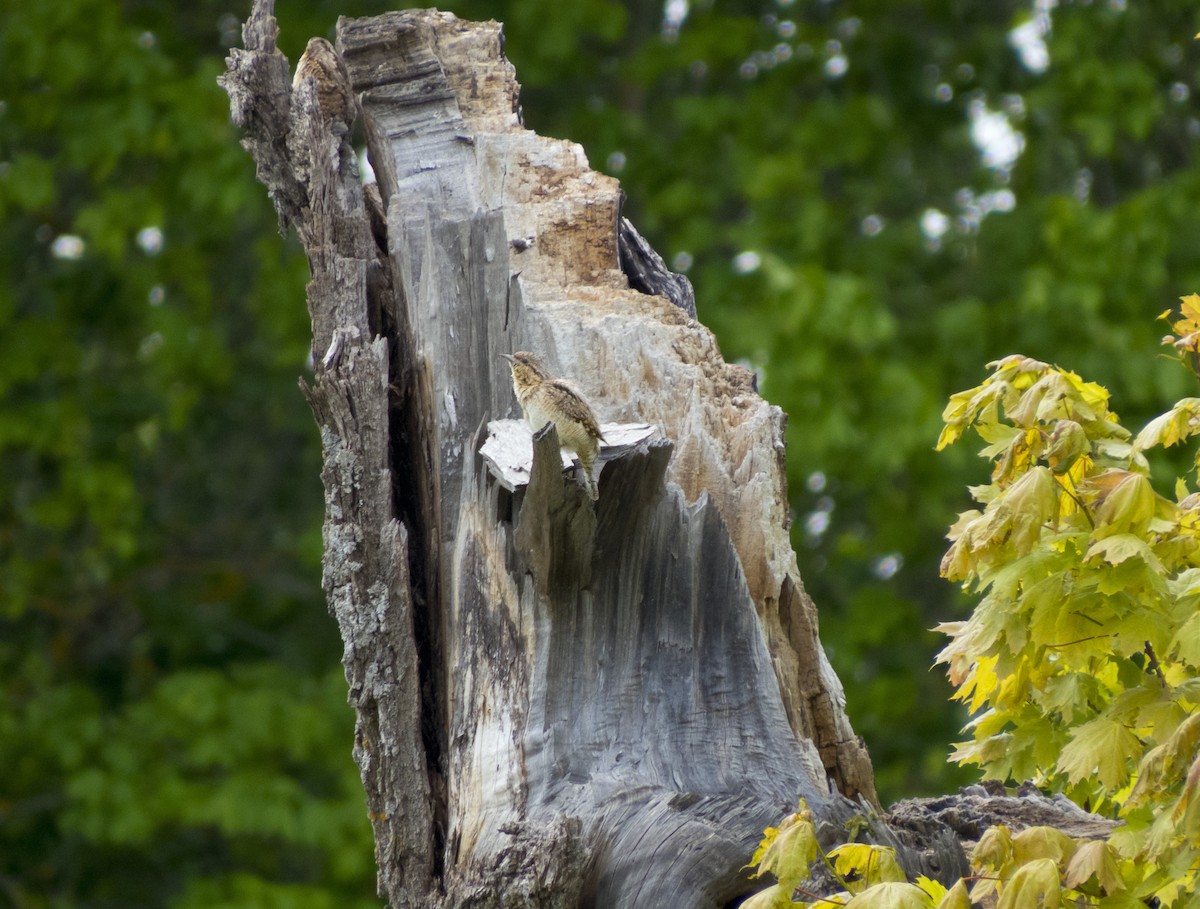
1166, 762
1172, 427
787, 851
1117, 548
994, 849
868, 864
1095, 859
956, 897
1067, 442
1083, 652
773, 897
1068, 694
1122, 501
979, 405
1185, 645
892, 895
1188, 322
1032, 886
1042, 842
1185, 809
1102, 748
936, 889
1012, 521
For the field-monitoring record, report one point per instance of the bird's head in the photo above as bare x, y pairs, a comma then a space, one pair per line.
526, 368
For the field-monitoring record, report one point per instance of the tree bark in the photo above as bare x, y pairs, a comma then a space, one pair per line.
559, 704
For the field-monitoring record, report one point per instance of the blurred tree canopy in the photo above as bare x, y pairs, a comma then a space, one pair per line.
872, 200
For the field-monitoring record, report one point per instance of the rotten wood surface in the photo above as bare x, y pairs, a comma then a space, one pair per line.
976, 808
559, 704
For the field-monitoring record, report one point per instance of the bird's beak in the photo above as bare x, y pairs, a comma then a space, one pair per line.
507, 357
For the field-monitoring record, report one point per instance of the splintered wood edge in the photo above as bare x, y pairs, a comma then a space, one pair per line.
508, 450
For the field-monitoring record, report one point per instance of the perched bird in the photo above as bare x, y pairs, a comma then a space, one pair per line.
545, 399
323, 65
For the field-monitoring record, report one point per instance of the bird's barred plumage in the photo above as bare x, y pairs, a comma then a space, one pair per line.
547, 399
322, 64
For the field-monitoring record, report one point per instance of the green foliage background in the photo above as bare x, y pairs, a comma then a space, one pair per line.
173, 729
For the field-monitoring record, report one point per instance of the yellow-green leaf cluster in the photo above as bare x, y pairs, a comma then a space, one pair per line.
786, 851
1081, 661
862, 865
1185, 331
1043, 867
869, 875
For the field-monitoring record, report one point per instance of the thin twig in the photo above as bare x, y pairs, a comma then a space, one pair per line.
1154, 664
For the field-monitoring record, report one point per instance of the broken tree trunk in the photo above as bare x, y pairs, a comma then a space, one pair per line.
559, 704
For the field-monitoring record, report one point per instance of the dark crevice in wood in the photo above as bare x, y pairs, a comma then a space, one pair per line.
413, 488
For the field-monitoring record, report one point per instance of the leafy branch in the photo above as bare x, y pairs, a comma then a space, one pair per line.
1101, 561
1080, 663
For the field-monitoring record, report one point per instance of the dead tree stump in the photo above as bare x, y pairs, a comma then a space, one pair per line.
559, 704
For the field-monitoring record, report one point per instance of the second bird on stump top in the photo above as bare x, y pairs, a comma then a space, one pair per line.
546, 399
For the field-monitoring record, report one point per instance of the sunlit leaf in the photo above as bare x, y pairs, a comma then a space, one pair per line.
867, 863
936, 889
1102, 748
787, 852
1042, 842
1123, 500
954, 898
892, 895
1172, 427
994, 849
1033, 885
1095, 859
773, 897
1117, 548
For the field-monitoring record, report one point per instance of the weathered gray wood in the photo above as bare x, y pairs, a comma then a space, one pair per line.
559, 704
621, 674
968, 813
309, 170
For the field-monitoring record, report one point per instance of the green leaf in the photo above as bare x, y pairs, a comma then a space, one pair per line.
774, 897
956, 897
1042, 842
892, 895
1000, 437
1008, 528
788, 851
1095, 859
1123, 501
1185, 645
1069, 694
994, 849
867, 863
1172, 427
1101, 748
1162, 766
1068, 441
1033, 885
1117, 548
